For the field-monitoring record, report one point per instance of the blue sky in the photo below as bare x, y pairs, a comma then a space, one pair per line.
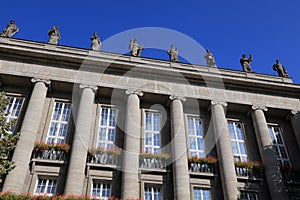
268, 29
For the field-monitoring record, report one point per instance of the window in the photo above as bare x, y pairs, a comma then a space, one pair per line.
13, 109
101, 190
152, 140
195, 134
201, 194
246, 195
59, 123
107, 127
279, 146
152, 192
45, 187
237, 141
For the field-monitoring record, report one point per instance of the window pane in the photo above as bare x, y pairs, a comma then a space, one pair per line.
278, 145
152, 140
196, 140
59, 122
107, 127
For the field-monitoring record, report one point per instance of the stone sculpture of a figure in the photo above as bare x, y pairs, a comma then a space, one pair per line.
245, 62
10, 29
135, 48
280, 69
173, 54
54, 35
96, 43
210, 60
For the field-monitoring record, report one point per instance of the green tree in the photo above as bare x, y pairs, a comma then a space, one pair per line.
8, 140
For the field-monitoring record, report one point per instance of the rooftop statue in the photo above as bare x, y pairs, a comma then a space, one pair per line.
245, 62
10, 29
96, 43
54, 35
280, 69
135, 48
210, 60
173, 54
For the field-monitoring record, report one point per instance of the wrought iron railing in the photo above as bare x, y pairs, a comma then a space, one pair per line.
202, 167
153, 163
103, 159
49, 154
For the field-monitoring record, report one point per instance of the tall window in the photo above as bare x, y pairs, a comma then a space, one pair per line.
237, 141
279, 146
152, 192
246, 195
201, 194
101, 190
45, 187
152, 131
107, 127
59, 123
13, 109
196, 140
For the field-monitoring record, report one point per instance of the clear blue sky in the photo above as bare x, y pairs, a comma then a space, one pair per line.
268, 29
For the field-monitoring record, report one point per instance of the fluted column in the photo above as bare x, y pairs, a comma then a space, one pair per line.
130, 186
295, 120
180, 165
15, 179
76, 170
268, 155
224, 150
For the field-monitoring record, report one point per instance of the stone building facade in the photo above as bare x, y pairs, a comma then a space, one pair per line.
139, 111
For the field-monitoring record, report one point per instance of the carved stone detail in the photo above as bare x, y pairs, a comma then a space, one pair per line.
46, 81
222, 103
93, 87
176, 97
260, 107
137, 92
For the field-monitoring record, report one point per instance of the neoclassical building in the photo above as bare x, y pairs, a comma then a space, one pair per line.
146, 128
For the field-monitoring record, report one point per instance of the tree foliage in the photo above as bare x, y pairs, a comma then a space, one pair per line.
8, 140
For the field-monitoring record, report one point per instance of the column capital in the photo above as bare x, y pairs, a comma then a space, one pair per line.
222, 103
295, 112
46, 81
137, 92
259, 107
177, 97
93, 87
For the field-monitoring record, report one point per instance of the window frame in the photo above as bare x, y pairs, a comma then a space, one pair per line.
144, 125
281, 161
152, 184
56, 137
98, 126
200, 187
238, 141
188, 136
9, 117
249, 192
101, 182
46, 185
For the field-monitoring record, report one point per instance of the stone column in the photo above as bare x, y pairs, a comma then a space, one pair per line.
22, 154
224, 150
130, 182
295, 120
268, 155
76, 170
180, 166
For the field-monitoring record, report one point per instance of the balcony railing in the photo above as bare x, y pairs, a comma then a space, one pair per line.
153, 163
49, 154
247, 172
204, 168
250, 169
102, 159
